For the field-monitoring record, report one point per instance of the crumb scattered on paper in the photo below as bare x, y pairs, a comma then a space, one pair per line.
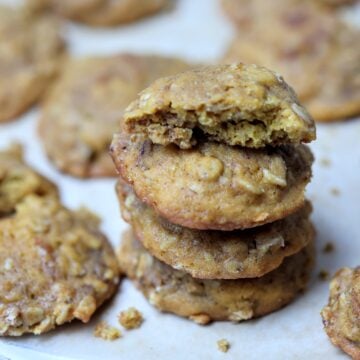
328, 247
223, 345
131, 318
323, 275
335, 191
106, 332
325, 162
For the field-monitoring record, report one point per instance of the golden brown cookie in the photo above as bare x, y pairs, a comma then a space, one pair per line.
215, 186
315, 52
203, 301
207, 254
85, 106
234, 104
55, 266
17, 181
102, 12
31, 51
341, 317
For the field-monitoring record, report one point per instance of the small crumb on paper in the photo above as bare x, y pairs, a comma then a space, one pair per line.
131, 318
329, 247
323, 275
223, 345
335, 191
106, 332
325, 162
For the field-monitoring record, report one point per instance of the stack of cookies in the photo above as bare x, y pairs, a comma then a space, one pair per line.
213, 173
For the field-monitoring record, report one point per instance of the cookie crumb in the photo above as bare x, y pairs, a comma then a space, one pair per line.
335, 191
131, 318
328, 247
323, 275
106, 332
223, 345
201, 319
325, 162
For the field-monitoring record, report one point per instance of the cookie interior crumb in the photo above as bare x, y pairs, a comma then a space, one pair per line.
223, 345
131, 318
328, 247
106, 332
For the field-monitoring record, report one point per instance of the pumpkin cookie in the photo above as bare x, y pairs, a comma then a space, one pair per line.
55, 266
341, 317
17, 180
174, 291
215, 186
31, 51
102, 12
85, 106
238, 104
216, 254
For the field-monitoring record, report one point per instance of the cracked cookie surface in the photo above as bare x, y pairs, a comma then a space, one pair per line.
55, 266
341, 317
210, 254
204, 301
86, 105
234, 104
214, 186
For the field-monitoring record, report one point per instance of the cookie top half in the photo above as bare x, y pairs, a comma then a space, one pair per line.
55, 266
234, 104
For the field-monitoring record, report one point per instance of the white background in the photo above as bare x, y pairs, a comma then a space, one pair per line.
197, 30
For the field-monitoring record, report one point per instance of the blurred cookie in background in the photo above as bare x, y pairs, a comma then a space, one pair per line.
102, 12
31, 51
85, 107
315, 51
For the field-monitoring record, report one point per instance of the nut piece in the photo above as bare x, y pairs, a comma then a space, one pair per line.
106, 332
223, 345
131, 318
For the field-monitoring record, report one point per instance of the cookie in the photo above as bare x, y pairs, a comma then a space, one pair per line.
103, 12
203, 301
207, 254
215, 186
234, 104
341, 316
17, 181
314, 51
85, 106
31, 50
55, 266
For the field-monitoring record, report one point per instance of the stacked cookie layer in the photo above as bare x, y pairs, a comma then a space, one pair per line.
213, 173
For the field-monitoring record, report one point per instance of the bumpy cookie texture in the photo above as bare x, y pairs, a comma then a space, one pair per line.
341, 317
174, 291
214, 186
55, 266
17, 180
314, 50
238, 104
31, 51
102, 12
85, 106
216, 254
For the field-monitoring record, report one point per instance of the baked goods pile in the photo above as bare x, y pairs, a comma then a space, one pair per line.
213, 172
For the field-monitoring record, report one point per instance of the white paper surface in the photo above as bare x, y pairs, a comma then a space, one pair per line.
198, 31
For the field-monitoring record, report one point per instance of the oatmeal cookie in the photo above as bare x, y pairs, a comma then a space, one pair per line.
214, 186
341, 317
17, 180
207, 254
203, 301
85, 106
55, 266
31, 51
234, 104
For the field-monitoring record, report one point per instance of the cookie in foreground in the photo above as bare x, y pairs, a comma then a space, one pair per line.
236, 104
85, 107
203, 301
210, 254
341, 315
55, 266
215, 186
31, 52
